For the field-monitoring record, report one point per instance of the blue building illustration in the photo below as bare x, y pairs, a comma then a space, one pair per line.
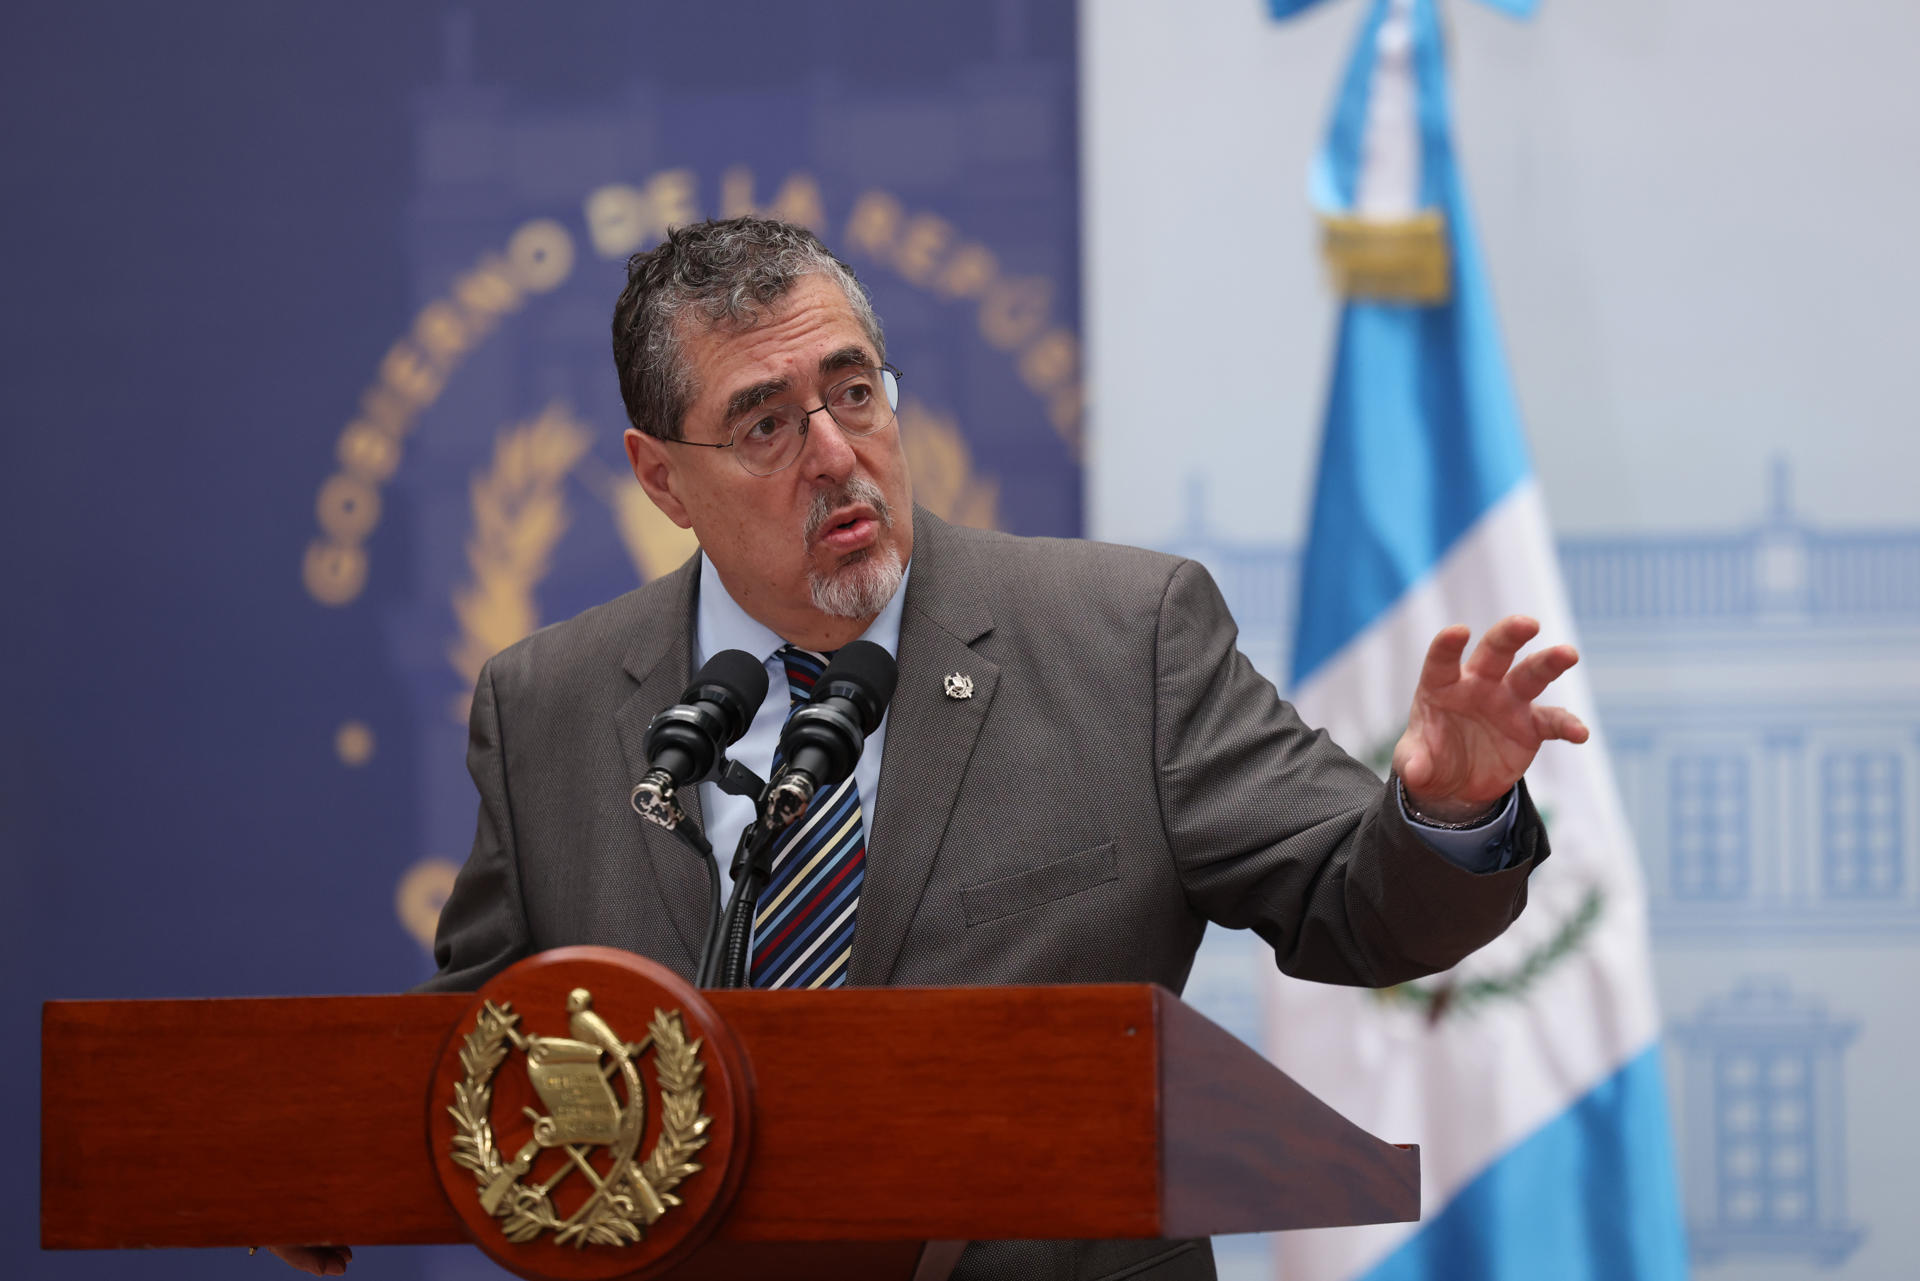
1763, 700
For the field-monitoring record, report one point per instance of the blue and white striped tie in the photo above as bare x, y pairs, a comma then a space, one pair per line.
803, 933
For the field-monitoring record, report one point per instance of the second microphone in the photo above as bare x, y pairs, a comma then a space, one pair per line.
823, 739
686, 743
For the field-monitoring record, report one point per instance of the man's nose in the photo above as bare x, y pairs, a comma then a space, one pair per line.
828, 452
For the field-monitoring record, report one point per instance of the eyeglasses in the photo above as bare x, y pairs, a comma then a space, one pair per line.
767, 438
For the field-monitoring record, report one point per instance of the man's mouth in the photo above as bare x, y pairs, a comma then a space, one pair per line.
850, 529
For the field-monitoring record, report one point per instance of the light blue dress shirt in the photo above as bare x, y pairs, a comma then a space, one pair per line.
721, 624
1486, 848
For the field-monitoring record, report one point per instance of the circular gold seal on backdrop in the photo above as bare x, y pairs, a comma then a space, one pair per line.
570, 1150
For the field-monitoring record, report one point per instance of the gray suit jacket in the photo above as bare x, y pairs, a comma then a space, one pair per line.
1120, 777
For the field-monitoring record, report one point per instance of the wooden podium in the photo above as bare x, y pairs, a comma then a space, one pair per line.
863, 1132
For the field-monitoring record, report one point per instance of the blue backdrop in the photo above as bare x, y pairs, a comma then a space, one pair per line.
309, 408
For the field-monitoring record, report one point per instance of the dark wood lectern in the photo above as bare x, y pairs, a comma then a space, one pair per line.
840, 1132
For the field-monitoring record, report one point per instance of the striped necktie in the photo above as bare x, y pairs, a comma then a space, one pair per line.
803, 932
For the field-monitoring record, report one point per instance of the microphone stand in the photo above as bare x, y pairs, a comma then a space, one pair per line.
752, 868
778, 807
735, 779
660, 807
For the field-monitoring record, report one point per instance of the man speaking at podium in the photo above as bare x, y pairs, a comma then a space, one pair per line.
1078, 769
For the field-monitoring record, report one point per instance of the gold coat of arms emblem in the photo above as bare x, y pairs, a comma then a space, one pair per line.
595, 1097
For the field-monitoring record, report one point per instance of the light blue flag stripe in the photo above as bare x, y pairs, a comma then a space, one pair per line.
1590, 1196
1422, 430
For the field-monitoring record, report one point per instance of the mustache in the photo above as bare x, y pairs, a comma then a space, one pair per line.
856, 490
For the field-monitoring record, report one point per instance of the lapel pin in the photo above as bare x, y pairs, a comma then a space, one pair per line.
959, 685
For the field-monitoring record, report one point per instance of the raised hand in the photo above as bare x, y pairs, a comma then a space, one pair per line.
1474, 728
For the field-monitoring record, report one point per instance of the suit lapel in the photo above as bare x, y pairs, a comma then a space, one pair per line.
929, 742
661, 663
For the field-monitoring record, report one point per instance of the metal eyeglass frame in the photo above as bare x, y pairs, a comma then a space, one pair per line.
891, 385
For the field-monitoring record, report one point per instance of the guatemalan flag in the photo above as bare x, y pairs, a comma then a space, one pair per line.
1531, 1074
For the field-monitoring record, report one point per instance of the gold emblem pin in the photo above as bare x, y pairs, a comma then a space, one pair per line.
959, 685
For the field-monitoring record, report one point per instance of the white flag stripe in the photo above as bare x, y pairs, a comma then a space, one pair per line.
1474, 1084
1389, 186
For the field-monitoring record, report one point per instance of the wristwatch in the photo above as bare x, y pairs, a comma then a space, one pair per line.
1427, 820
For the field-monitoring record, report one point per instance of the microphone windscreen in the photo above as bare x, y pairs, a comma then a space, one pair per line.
869, 668
740, 674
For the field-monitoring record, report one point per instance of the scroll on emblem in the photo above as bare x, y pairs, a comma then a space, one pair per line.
591, 1085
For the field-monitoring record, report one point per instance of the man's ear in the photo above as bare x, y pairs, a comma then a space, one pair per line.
654, 471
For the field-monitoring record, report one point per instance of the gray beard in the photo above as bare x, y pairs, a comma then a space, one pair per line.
860, 586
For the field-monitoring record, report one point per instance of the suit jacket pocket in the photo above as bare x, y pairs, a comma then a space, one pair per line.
991, 900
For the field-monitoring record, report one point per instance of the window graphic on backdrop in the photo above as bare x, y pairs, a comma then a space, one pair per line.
1765, 1139
481, 488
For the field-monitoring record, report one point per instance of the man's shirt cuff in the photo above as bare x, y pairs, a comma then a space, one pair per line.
1487, 848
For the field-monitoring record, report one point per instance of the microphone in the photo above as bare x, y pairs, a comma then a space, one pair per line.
823, 739
686, 744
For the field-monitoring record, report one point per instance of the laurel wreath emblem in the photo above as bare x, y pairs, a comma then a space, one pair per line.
1450, 997
527, 1211
519, 515
1463, 996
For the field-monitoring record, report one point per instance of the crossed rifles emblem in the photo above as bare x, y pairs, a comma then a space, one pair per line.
574, 1078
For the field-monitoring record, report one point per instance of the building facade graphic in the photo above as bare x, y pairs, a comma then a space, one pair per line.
1759, 690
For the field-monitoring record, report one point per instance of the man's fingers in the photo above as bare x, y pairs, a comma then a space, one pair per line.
1558, 722
1494, 654
1442, 667
1416, 771
1531, 675
314, 1260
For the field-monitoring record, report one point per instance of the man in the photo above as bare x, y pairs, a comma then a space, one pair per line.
1078, 769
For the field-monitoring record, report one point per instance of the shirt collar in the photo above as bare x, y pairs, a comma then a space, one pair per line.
722, 624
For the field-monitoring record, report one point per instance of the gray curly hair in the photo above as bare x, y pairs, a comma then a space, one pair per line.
719, 273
